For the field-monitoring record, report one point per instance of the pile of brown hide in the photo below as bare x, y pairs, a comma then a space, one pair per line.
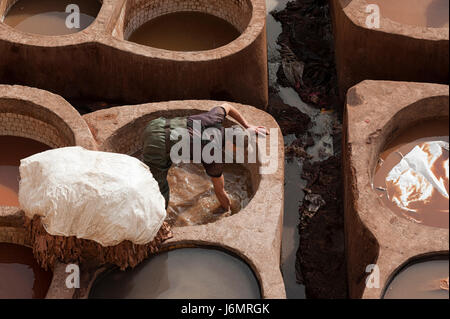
48, 249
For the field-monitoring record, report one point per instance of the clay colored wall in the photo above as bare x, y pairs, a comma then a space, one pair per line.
253, 234
98, 64
376, 111
393, 52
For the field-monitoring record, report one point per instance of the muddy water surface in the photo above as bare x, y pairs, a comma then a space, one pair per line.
192, 197
20, 275
190, 273
13, 149
185, 31
48, 17
421, 201
293, 195
422, 280
425, 13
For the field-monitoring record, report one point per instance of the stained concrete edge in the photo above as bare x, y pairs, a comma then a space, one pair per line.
373, 233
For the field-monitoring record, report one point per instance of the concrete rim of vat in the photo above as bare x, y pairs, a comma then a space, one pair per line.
355, 11
253, 234
438, 255
376, 111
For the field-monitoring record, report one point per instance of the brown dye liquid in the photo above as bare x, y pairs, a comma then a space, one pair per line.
185, 31
190, 273
20, 275
192, 197
48, 17
421, 280
434, 212
425, 13
13, 149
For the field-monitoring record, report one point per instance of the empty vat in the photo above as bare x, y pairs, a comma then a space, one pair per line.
189, 273
424, 278
51, 17
21, 276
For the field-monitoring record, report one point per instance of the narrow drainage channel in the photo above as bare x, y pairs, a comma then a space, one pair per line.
293, 196
320, 148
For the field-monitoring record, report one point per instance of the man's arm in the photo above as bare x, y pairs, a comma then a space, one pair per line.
231, 111
219, 189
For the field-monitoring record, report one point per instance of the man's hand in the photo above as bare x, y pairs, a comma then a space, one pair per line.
259, 130
234, 113
219, 189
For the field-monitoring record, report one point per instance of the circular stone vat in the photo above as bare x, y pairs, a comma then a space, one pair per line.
13, 150
424, 13
192, 197
412, 178
21, 276
421, 279
186, 25
189, 273
27, 128
380, 117
185, 31
51, 17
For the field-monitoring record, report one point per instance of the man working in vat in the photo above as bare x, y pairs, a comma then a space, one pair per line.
160, 136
